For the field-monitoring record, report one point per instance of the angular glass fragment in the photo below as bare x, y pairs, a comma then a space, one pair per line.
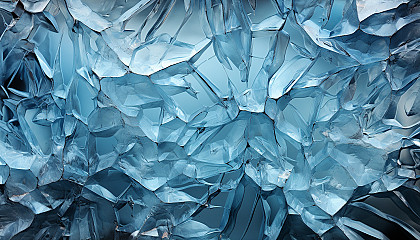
209, 119
15, 218
162, 52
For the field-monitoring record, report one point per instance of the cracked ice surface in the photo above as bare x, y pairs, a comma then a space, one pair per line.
209, 119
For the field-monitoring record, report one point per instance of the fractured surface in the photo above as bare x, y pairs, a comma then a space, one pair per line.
209, 119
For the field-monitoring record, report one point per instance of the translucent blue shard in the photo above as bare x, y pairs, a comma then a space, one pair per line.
331, 186
162, 52
209, 119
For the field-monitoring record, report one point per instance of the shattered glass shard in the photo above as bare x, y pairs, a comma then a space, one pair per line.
209, 119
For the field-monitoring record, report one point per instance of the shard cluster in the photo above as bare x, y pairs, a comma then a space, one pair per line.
209, 119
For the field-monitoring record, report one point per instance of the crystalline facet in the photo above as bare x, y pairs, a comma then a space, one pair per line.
209, 119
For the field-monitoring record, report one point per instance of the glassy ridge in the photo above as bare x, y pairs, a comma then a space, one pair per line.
209, 119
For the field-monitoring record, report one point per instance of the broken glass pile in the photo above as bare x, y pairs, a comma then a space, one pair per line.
209, 119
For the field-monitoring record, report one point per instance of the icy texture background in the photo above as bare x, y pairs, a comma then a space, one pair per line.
209, 119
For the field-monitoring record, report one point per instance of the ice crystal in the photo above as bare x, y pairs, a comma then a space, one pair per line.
209, 119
